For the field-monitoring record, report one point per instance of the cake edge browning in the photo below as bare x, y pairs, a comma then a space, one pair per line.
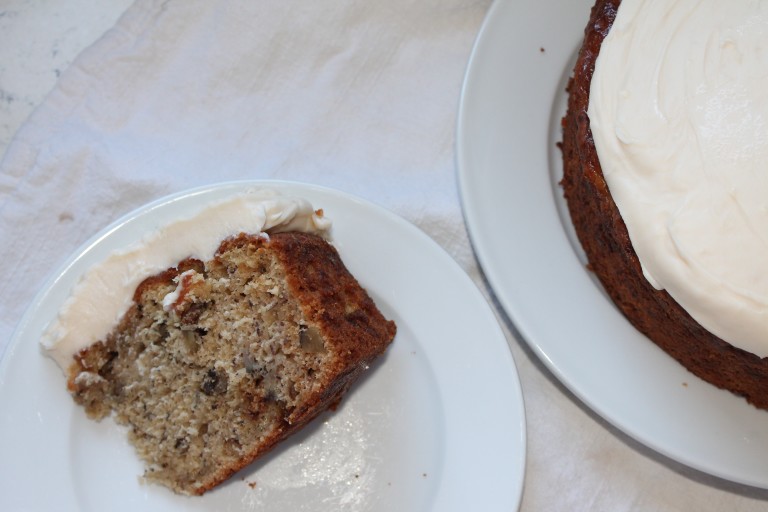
333, 300
314, 271
605, 240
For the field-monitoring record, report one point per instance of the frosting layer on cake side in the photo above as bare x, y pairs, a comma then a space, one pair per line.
105, 292
679, 116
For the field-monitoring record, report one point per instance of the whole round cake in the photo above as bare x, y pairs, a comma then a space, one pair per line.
664, 144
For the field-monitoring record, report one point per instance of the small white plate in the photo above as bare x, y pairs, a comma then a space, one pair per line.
437, 424
509, 168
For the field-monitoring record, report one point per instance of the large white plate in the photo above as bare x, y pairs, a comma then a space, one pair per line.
509, 123
438, 424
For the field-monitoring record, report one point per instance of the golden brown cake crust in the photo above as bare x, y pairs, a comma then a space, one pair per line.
605, 240
258, 342
332, 299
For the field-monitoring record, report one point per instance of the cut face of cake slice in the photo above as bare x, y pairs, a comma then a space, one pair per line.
217, 361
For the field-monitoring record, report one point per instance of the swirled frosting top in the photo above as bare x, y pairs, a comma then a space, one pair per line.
679, 114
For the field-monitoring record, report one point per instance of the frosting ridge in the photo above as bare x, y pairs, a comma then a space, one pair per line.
105, 292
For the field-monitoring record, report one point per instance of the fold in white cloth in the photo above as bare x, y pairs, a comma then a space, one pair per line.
358, 96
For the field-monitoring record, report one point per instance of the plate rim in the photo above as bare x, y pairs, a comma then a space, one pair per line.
516, 406
495, 279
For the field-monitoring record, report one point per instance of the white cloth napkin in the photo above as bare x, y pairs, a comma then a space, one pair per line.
358, 96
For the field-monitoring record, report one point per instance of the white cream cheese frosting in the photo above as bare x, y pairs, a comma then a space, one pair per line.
679, 114
105, 292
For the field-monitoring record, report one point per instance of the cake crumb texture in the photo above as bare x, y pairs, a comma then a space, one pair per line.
218, 361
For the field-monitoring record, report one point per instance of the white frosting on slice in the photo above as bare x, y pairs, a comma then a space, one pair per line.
679, 113
105, 292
